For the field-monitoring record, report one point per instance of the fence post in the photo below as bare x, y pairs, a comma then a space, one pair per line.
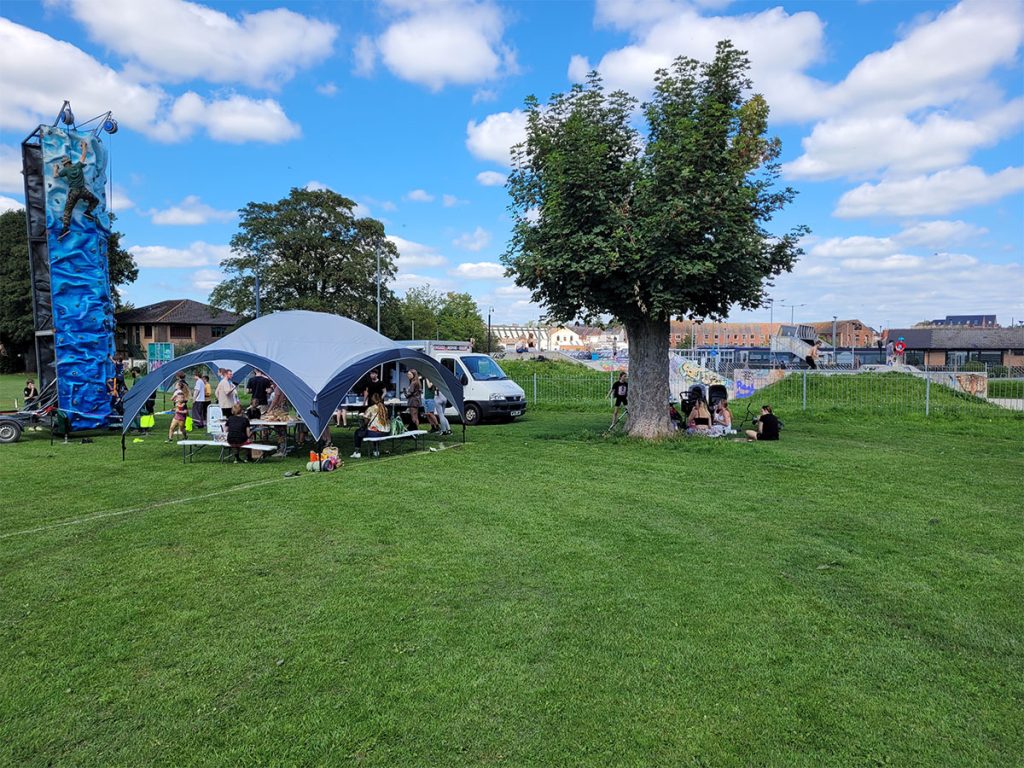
927, 392
535, 388
805, 389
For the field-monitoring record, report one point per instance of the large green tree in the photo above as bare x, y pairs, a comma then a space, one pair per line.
646, 227
428, 314
311, 252
16, 327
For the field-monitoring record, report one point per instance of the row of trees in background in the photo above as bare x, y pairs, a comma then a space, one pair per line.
310, 251
16, 328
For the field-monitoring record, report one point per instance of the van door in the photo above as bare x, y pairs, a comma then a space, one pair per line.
456, 368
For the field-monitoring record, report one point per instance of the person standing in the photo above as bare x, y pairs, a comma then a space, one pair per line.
890, 353
257, 386
430, 404
620, 391
199, 402
227, 390
812, 355
373, 387
413, 397
178, 418
440, 401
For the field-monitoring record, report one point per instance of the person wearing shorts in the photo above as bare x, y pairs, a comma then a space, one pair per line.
620, 391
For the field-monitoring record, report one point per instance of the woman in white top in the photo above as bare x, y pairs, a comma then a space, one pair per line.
199, 402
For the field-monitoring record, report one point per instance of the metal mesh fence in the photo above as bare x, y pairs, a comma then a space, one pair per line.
935, 392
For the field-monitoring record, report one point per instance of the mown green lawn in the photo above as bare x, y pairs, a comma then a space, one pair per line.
539, 596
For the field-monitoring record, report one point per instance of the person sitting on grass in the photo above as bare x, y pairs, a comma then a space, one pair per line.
767, 426
721, 419
699, 422
675, 419
178, 418
376, 422
239, 432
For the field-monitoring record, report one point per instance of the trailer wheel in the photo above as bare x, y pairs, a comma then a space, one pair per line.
10, 431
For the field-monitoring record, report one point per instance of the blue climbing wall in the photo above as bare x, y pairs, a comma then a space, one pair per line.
83, 314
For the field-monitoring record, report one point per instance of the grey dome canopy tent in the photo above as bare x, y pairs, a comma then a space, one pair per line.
315, 357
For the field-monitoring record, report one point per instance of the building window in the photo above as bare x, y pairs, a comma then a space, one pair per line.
181, 331
217, 331
956, 358
148, 332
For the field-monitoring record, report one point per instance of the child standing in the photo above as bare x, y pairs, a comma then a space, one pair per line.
178, 420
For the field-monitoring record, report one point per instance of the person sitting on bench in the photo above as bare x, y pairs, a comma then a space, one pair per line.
239, 431
376, 423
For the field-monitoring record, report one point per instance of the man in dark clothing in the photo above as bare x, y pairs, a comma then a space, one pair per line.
75, 175
238, 431
767, 426
258, 386
372, 387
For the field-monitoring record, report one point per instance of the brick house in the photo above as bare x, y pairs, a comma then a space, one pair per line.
849, 333
710, 334
180, 321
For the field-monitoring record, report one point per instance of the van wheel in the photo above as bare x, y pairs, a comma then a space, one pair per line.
472, 417
10, 431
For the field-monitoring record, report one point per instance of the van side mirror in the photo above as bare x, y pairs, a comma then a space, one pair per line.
465, 379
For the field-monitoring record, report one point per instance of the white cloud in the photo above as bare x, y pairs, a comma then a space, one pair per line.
198, 254
937, 194
327, 89
476, 240
419, 196
206, 280
235, 119
860, 246
10, 204
937, 62
11, 179
781, 47
413, 254
119, 200
491, 178
450, 201
406, 280
493, 138
181, 41
190, 212
942, 233
316, 186
484, 94
483, 270
365, 57
858, 145
512, 290
441, 43
30, 93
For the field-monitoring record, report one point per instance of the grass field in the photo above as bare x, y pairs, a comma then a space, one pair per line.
541, 595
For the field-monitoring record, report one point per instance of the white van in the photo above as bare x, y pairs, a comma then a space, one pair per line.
487, 391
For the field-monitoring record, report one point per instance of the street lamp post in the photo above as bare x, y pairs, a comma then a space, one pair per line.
833, 336
378, 289
257, 289
489, 311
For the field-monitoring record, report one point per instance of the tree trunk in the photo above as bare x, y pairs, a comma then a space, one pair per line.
648, 378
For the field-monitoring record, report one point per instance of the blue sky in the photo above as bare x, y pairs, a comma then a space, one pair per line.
902, 125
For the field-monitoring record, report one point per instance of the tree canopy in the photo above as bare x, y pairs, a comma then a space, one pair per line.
311, 252
431, 314
16, 327
650, 226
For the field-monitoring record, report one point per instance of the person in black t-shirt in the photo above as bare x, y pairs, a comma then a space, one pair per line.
620, 391
767, 426
238, 431
372, 387
257, 386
